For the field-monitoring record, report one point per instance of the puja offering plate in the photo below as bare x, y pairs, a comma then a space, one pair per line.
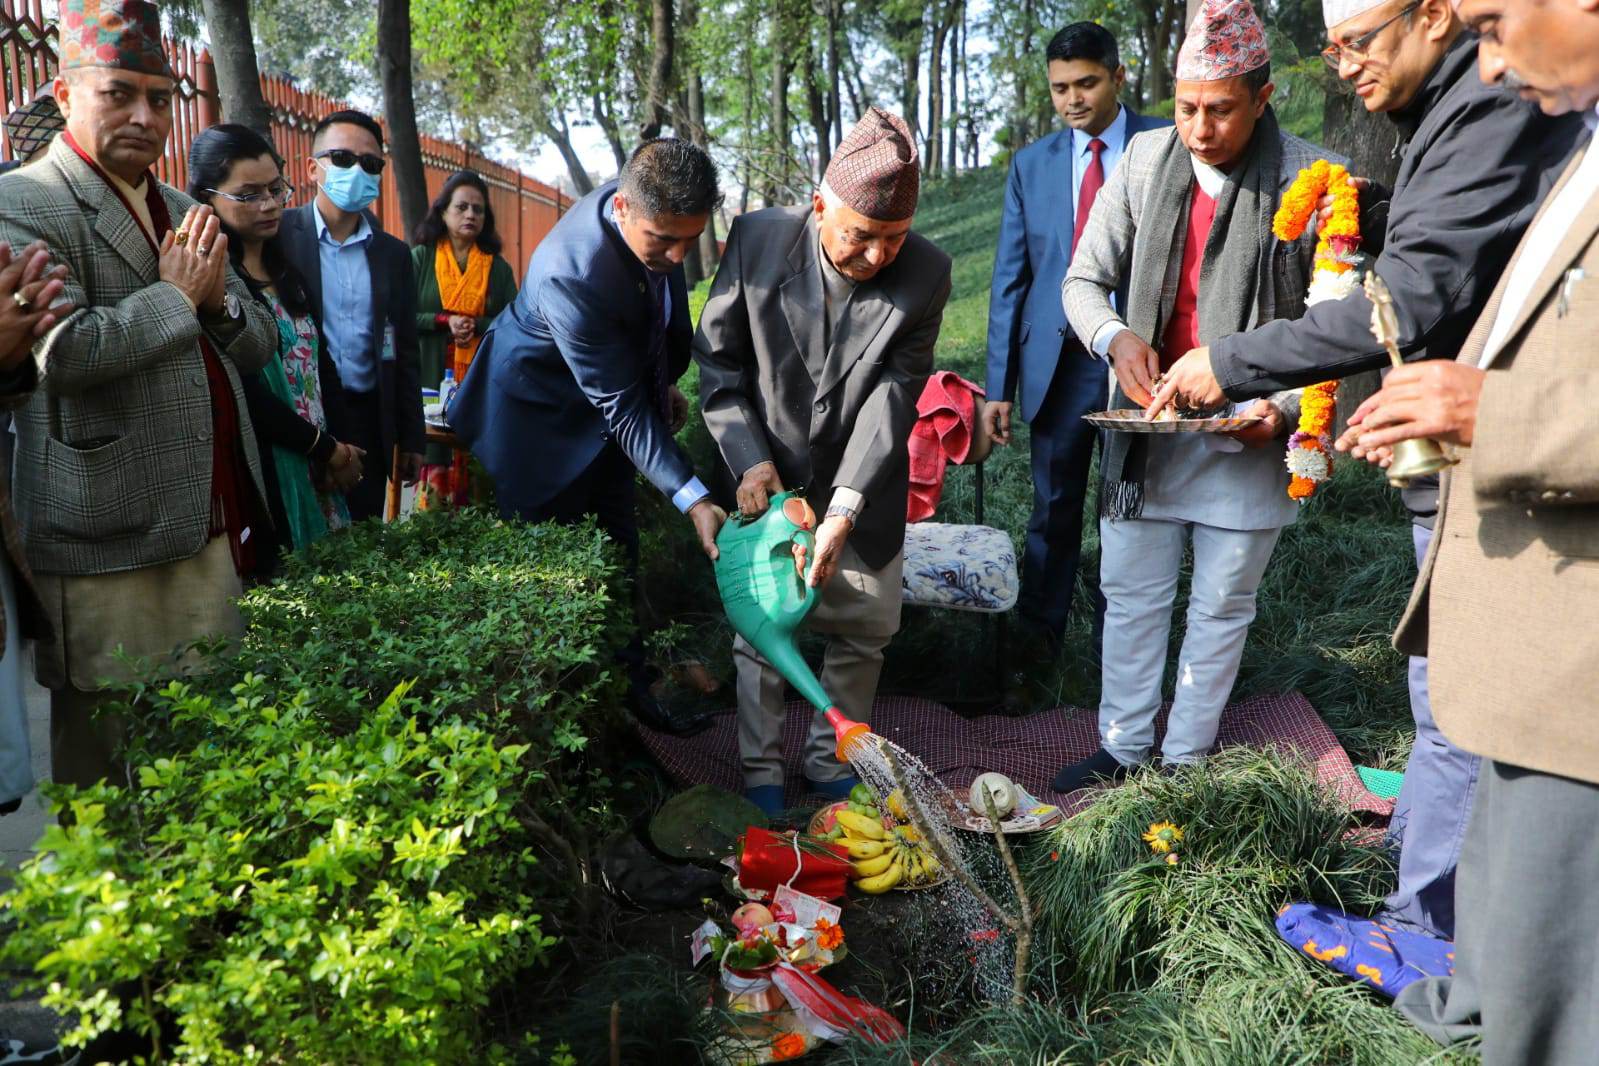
1032, 815
1131, 420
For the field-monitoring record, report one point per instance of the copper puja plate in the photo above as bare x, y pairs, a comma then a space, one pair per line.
1132, 420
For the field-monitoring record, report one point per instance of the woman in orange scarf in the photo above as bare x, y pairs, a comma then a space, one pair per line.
462, 283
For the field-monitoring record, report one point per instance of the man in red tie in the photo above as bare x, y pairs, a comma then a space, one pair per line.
1034, 359
1179, 223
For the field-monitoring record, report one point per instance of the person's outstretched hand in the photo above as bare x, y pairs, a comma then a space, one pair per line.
708, 519
760, 483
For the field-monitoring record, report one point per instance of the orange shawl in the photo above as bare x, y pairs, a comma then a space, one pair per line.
462, 292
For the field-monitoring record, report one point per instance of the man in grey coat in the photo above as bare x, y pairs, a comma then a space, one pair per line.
1477, 162
813, 349
1185, 220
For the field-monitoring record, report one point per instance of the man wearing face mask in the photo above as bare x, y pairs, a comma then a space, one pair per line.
572, 390
813, 347
362, 292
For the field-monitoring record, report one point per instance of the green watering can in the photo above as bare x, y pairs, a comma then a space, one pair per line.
767, 600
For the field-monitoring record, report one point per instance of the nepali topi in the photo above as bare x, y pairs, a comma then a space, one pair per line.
1226, 39
875, 170
120, 34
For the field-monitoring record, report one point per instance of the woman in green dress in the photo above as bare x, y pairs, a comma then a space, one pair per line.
462, 283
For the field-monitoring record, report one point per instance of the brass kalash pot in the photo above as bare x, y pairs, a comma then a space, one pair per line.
1412, 458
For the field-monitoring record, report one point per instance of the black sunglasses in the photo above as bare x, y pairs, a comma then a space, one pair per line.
344, 158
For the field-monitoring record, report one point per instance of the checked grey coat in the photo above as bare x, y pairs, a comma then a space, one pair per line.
114, 456
825, 417
1190, 477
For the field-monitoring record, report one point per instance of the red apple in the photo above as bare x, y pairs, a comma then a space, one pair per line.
751, 918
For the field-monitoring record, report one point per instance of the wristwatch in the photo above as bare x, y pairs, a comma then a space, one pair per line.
232, 311
838, 510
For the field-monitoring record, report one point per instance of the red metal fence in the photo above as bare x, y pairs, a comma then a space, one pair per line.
525, 210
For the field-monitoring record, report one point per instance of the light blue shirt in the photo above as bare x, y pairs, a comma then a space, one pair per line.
347, 304
1115, 138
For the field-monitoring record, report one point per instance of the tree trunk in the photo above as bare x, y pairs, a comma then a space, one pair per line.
1021, 122
816, 100
973, 148
854, 84
561, 137
935, 100
835, 113
694, 108
778, 172
613, 132
910, 33
957, 20
238, 76
1370, 141
662, 46
399, 106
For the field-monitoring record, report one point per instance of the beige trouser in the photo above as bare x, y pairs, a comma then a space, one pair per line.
859, 609
146, 613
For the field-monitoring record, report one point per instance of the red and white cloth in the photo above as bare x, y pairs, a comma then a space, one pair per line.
946, 424
1225, 39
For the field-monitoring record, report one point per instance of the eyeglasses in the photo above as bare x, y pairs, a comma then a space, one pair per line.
280, 193
343, 158
1333, 55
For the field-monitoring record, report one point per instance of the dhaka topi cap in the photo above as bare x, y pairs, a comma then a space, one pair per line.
1334, 12
122, 34
875, 170
1225, 39
31, 127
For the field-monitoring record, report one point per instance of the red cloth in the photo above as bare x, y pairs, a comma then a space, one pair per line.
1182, 334
767, 860
229, 475
946, 422
1093, 180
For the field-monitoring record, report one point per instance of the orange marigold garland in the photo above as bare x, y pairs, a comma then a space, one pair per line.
1309, 458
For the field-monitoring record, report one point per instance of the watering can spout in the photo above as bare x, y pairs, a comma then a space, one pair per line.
851, 734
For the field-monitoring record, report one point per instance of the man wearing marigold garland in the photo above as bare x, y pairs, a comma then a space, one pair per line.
1185, 222
1507, 605
1477, 161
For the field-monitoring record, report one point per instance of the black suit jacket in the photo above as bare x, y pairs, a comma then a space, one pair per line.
393, 307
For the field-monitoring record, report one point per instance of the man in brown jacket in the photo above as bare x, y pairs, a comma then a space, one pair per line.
1516, 555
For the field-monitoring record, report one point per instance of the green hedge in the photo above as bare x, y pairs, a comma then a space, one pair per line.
353, 829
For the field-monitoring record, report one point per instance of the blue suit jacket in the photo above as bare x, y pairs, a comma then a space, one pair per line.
566, 367
1026, 319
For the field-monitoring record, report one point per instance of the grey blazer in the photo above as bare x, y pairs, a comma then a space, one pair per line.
1190, 477
826, 418
114, 448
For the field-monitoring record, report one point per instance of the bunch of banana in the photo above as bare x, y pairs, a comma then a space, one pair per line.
883, 857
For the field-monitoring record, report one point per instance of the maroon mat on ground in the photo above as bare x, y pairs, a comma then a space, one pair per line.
1030, 749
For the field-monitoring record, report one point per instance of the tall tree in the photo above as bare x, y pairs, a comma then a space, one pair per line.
227, 23
662, 45
399, 107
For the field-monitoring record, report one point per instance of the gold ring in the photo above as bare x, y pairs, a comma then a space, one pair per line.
180, 236
21, 301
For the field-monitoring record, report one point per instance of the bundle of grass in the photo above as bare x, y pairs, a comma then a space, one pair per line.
1157, 906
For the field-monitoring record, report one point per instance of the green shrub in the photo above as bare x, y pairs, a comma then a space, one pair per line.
353, 830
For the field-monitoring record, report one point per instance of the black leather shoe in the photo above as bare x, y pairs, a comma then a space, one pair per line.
1100, 766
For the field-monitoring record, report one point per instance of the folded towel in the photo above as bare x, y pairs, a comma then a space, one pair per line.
946, 423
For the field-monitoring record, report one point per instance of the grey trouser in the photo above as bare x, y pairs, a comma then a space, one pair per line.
859, 609
1526, 951
1139, 563
1429, 821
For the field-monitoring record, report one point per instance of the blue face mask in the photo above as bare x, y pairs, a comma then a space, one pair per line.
350, 188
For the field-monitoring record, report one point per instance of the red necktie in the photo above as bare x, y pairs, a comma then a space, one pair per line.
1093, 178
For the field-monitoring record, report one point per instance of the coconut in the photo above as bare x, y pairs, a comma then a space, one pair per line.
997, 786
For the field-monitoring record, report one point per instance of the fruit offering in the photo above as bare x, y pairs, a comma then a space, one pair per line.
884, 852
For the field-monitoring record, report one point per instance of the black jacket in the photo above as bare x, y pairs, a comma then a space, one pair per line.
1477, 163
393, 305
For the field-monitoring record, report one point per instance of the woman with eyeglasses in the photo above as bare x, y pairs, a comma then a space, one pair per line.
291, 400
462, 283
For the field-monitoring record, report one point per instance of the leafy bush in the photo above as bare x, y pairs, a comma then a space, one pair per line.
347, 835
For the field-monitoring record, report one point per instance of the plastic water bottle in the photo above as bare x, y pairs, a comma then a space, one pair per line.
446, 390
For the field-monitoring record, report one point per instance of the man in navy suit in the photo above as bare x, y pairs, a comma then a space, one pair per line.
1033, 356
572, 388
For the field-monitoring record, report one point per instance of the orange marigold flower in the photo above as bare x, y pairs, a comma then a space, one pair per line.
788, 1046
828, 935
1301, 488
